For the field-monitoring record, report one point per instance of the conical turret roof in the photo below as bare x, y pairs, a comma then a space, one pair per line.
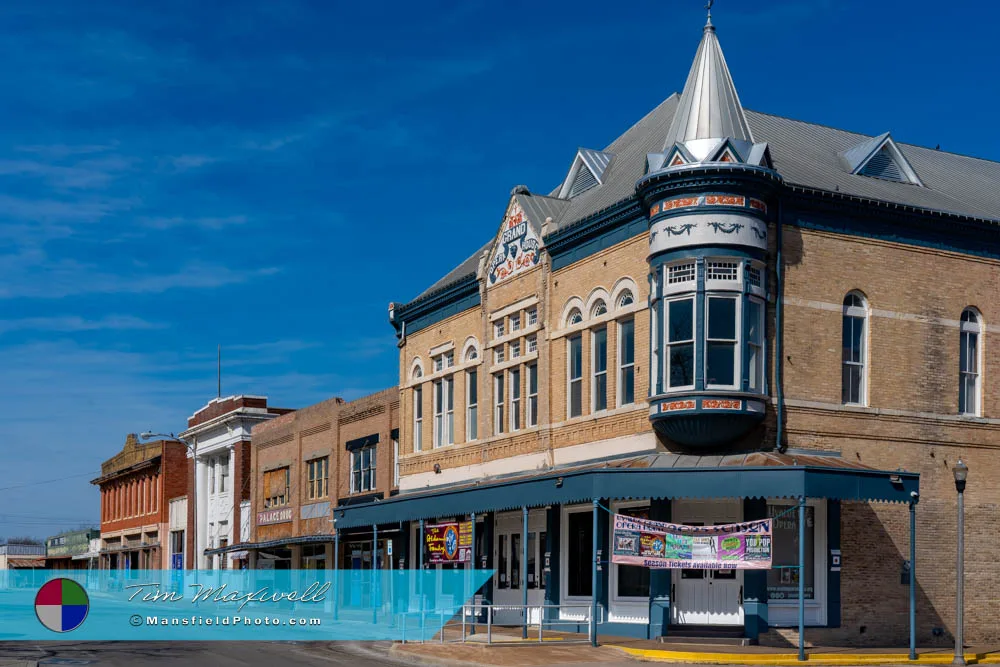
709, 107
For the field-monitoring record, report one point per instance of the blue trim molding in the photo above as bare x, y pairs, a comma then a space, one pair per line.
452, 299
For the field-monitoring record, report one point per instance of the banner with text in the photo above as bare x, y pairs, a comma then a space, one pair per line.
654, 544
448, 542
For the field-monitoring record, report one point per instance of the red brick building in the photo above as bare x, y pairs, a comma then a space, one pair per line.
137, 485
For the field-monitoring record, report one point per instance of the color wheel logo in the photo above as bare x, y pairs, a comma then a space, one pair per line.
62, 605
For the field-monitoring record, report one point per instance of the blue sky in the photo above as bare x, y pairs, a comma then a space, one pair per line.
268, 176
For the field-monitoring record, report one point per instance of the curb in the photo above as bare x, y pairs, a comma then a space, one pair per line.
791, 659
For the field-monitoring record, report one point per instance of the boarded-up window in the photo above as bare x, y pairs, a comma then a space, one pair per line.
276, 483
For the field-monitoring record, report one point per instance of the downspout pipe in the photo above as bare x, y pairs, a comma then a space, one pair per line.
779, 334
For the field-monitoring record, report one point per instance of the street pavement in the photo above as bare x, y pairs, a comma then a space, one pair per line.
222, 654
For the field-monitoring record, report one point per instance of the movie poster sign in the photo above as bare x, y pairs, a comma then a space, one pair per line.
448, 542
658, 545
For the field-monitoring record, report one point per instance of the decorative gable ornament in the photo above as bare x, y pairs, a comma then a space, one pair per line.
517, 247
880, 157
587, 171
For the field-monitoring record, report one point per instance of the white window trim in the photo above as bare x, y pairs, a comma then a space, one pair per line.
863, 312
784, 613
570, 380
564, 595
418, 422
695, 332
498, 405
514, 410
978, 329
738, 344
619, 366
762, 388
527, 383
613, 578
469, 406
594, 373
395, 463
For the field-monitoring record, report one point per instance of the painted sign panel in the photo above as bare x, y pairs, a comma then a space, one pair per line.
448, 542
274, 516
517, 247
654, 544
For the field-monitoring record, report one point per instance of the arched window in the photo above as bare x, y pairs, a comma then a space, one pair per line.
574, 317
600, 308
626, 299
968, 363
855, 349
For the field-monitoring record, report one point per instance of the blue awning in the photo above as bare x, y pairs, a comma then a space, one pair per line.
756, 475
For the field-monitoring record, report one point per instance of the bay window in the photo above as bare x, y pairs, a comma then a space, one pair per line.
755, 345
721, 354
680, 343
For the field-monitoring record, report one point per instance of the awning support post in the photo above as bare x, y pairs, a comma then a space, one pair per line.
420, 578
593, 583
524, 570
336, 571
913, 580
802, 578
375, 600
472, 566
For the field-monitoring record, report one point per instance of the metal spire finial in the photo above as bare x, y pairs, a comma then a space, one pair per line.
708, 7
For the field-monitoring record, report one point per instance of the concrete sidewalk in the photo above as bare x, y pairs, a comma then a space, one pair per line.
511, 651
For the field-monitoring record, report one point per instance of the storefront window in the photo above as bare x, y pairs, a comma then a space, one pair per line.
633, 580
783, 582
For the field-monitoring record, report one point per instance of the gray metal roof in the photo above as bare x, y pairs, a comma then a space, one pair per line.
709, 107
803, 153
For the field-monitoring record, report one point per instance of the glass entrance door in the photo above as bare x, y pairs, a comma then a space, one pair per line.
508, 554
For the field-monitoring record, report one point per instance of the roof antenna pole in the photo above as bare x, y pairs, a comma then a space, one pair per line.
218, 372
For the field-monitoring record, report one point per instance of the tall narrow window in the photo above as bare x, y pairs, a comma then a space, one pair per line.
444, 412
418, 418
755, 345
626, 362
854, 339
680, 343
363, 469
968, 359
515, 399
318, 471
533, 395
498, 401
472, 405
574, 360
223, 473
395, 462
599, 387
720, 356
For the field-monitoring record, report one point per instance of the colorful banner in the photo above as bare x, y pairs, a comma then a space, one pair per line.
653, 544
448, 542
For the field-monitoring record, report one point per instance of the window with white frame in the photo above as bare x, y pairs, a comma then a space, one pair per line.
720, 270
514, 379
533, 395
755, 345
969, 363
679, 327
418, 418
211, 475
444, 411
223, 473
499, 397
531, 343
531, 316
626, 362
681, 273
599, 365
721, 351
471, 354
471, 405
363, 469
515, 349
600, 308
575, 317
854, 343
499, 354
626, 299
574, 362
498, 329
515, 323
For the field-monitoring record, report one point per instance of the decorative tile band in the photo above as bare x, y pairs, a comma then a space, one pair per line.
734, 201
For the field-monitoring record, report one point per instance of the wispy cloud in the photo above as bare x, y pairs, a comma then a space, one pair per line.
174, 222
72, 323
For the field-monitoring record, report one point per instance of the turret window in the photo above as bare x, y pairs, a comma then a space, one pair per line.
681, 273
680, 343
721, 354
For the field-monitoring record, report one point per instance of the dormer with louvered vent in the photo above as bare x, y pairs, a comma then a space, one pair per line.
586, 172
880, 157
